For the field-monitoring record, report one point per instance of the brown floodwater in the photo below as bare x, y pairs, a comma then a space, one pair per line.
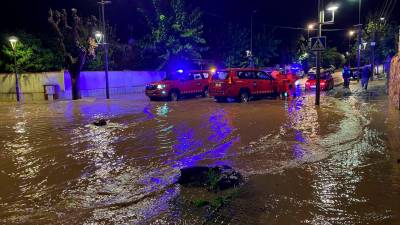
336, 164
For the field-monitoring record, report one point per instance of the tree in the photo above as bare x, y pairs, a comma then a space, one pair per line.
233, 45
175, 33
232, 41
266, 48
31, 55
384, 35
331, 56
74, 37
97, 62
303, 54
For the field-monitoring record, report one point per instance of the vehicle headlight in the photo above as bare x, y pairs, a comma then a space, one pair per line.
161, 86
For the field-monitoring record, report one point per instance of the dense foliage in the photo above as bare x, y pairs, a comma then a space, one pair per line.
32, 55
75, 41
175, 34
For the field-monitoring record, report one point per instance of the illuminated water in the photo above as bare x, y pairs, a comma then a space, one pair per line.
333, 165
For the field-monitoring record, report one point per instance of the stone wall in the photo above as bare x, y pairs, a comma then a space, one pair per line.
92, 84
31, 85
394, 82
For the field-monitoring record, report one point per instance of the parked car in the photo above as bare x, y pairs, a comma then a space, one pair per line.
297, 69
243, 84
313, 71
354, 74
331, 69
326, 82
179, 84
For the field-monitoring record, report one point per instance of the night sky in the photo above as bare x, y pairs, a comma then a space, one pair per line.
32, 15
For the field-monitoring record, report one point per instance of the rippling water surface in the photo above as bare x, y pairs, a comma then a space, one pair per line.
304, 165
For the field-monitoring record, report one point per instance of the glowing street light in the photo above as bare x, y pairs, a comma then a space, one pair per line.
351, 34
332, 9
310, 27
382, 19
100, 40
99, 37
13, 42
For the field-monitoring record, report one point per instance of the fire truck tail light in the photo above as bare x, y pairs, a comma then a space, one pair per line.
230, 80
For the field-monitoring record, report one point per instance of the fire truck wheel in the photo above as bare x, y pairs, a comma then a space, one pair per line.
174, 96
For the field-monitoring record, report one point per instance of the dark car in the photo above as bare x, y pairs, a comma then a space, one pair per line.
178, 84
242, 84
354, 73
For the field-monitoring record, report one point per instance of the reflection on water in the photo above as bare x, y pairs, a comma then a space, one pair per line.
304, 164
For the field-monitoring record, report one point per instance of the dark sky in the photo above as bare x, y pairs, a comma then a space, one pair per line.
32, 15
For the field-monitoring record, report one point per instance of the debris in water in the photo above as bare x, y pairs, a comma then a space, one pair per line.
100, 123
214, 178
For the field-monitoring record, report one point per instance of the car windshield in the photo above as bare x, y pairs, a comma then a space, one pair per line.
220, 75
173, 76
314, 77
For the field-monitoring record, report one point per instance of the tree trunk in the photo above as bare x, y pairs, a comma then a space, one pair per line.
75, 84
394, 82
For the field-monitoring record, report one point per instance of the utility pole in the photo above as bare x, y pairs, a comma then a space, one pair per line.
16, 75
13, 41
318, 78
373, 44
359, 41
105, 44
349, 55
251, 30
251, 55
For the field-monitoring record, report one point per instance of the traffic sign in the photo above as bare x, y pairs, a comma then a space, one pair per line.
318, 43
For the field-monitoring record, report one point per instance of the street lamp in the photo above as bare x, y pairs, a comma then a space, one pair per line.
13, 41
332, 9
104, 42
351, 34
251, 39
321, 21
99, 37
359, 29
310, 27
251, 29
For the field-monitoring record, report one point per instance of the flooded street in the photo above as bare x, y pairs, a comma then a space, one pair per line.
336, 164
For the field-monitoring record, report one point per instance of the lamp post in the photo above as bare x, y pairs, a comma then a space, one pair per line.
13, 41
321, 21
251, 29
250, 54
351, 34
102, 3
359, 26
310, 27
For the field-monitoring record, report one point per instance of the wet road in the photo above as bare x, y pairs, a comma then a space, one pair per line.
336, 164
